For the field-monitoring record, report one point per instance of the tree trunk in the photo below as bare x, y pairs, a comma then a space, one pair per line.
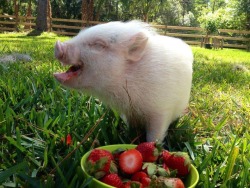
117, 10
248, 22
28, 14
87, 11
49, 15
145, 17
91, 10
213, 7
41, 20
84, 11
16, 9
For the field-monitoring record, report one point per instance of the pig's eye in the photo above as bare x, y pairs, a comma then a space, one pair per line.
98, 45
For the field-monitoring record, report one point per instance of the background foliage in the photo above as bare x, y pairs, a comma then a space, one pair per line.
230, 14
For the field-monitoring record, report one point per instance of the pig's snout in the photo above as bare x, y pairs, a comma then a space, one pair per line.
60, 50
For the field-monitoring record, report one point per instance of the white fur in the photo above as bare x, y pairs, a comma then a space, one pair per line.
130, 67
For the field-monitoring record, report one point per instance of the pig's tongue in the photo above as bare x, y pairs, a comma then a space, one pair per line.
63, 77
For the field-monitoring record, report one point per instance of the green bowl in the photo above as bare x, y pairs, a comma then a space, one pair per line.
190, 182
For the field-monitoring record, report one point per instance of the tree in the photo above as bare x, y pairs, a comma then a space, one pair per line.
243, 9
169, 13
16, 10
41, 20
6, 7
87, 10
231, 14
28, 14
49, 14
149, 6
145, 9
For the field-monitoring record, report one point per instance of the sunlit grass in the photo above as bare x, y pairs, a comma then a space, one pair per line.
226, 55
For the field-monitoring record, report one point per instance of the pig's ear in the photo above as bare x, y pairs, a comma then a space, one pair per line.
136, 46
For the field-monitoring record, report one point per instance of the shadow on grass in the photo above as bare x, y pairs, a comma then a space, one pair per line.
179, 133
35, 33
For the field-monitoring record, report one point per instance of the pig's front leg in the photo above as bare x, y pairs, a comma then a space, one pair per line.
157, 128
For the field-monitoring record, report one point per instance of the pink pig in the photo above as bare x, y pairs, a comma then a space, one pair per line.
143, 75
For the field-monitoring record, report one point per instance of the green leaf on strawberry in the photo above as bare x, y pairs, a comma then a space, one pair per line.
163, 172
150, 168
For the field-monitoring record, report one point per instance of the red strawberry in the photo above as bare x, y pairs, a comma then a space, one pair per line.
68, 140
173, 183
177, 160
99, 163
113, 180
149, 150
132, 184
145, 181
141, 177
138, 176
130, 161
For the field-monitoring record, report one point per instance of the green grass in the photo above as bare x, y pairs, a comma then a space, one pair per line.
36, 114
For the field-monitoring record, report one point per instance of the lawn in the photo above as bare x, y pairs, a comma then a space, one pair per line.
37, 114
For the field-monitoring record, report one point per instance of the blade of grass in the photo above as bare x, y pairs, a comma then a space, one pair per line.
45, 158
12, 170
206, 123
103, 129
208, 158
64, 181
83, 140
191, 153
206, 183
18, 141
15, 143
86, 182
73, 181
32, 181
69, 106
245, 173
49, 183
230, 165
216, 176
220, 125
9, 114
34, 161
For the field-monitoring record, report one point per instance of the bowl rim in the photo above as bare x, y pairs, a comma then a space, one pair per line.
197, 179
129, 146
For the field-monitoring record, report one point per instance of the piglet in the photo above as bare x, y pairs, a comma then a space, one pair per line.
141, 74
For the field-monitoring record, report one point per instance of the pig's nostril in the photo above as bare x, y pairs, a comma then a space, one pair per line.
59, 50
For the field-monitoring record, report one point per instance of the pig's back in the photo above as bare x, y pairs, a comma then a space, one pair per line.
164, 75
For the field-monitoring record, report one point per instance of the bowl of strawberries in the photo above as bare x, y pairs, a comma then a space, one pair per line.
146, 165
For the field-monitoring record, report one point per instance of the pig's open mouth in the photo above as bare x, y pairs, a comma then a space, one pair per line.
72, 72
74, 68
